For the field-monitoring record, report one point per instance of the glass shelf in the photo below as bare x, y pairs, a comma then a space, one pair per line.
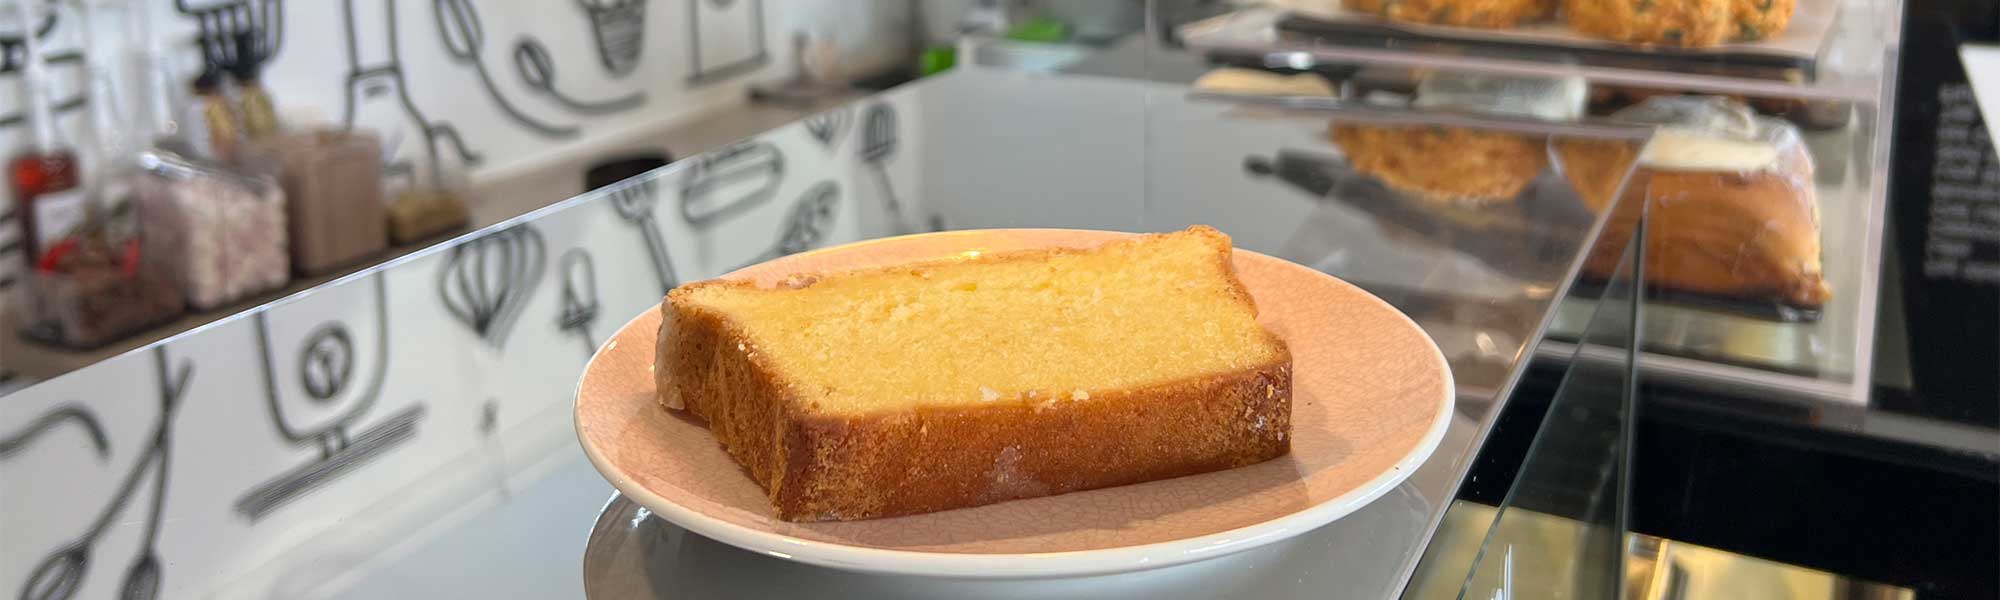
1848, 68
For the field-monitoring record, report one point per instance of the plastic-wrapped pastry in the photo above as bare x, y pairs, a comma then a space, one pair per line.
1731, 201
221, 232
1444, 164
421, 213
1490, 14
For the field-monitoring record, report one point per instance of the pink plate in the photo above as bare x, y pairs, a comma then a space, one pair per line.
1371, 396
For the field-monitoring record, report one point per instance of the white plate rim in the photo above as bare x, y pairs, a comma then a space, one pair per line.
1074, 563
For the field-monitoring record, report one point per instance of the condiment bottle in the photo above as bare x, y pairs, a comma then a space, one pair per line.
221, 128
260, 116
43, 175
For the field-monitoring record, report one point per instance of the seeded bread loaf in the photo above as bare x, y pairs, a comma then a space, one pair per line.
981, 379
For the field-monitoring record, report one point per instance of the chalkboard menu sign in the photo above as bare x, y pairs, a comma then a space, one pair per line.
1944, 213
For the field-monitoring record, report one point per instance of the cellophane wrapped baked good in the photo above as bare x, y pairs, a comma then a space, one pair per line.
1731, 203
221, 231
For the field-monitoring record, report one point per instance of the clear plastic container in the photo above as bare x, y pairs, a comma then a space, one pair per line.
221, 231
96, 293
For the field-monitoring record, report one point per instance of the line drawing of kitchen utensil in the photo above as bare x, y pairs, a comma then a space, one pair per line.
75, 414
538, 72
619, 28
325, 369
700, 72
808, 224
11, 55
705, 187
878, 144
827, 127
378, 96
11, 52
579, 306
60, 574
485, 281
222, 22
635, 199
463, 37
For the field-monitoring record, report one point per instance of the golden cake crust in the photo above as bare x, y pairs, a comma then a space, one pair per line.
821, 466
1489, 14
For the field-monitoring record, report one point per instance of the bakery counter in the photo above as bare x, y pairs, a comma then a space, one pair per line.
371, 434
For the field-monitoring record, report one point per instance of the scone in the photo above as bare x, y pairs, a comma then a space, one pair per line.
1444, 164
1489, 14
957, 383
1760, 19
1732, 210
1683, 23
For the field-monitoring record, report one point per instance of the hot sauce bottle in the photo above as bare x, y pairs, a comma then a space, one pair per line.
43, 175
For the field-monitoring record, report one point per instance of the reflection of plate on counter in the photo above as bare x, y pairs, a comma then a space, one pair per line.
1371, 398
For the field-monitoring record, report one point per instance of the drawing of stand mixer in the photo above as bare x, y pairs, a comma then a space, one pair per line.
309, 374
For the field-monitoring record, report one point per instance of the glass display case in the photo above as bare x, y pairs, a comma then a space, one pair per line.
1832, 75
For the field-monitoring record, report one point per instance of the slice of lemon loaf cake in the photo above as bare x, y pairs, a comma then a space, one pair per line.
956, 383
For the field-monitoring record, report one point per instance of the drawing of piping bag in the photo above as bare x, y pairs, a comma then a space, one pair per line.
619, 27
60, 574
310, 388
579, 306
808, 224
